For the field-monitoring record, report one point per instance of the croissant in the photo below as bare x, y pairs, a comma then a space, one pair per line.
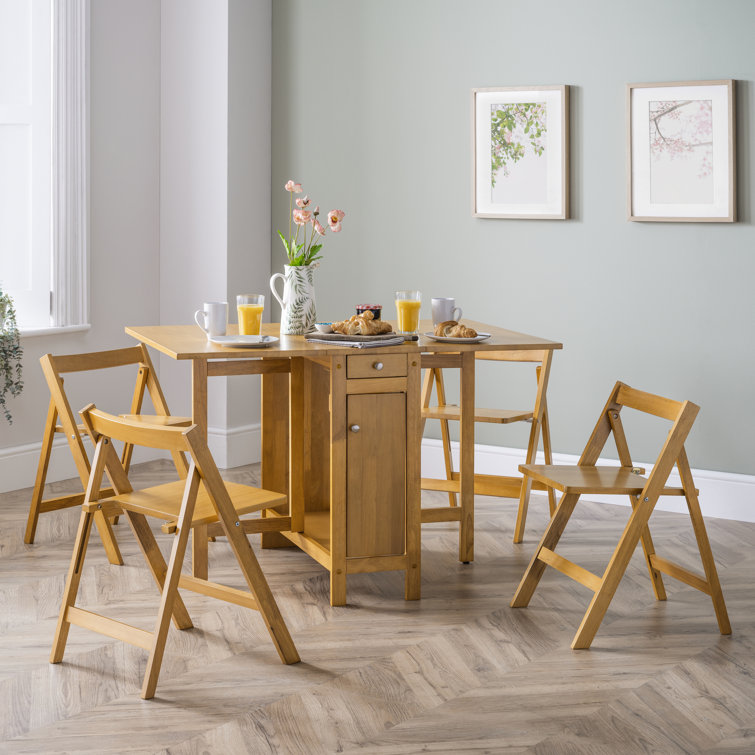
453, 329
440, 328
462, 331
362, 325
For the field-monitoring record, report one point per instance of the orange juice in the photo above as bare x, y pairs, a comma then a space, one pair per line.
250, 319
408, 315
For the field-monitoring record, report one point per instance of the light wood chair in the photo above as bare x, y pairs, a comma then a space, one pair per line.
202, 498
60, 419
496, 485
586, 478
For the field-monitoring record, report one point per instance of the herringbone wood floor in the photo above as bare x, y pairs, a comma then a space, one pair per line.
457, 672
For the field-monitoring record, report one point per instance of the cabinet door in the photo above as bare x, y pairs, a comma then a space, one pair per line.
376, 476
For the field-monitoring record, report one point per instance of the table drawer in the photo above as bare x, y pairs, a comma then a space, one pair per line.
376, 365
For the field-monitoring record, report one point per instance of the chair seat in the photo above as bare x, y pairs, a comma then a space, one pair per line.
164, 501
496, 416
158, 419
607, 480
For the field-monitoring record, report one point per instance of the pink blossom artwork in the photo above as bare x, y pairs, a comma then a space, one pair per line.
682, 165
681, 151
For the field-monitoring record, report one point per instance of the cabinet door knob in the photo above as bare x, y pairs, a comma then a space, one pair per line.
377, 365
354, 428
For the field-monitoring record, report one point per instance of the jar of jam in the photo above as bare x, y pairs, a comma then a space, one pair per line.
376, 309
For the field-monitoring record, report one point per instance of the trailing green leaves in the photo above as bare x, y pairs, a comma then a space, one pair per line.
11, 354
513, 127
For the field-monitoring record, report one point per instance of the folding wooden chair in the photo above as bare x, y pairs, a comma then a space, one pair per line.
201, 499
587, 478
507, 487
59, 409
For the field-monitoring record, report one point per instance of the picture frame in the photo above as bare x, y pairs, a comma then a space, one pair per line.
681, 152
520, 152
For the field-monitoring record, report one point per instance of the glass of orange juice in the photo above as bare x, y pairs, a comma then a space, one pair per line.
249, 307
407, 311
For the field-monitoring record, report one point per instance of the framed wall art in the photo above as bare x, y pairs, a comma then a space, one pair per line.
521, 152
681, 151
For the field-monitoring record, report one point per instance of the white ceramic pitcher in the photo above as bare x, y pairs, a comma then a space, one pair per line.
298, 312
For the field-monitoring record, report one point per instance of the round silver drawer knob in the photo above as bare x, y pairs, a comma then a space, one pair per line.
354, 428
378, 365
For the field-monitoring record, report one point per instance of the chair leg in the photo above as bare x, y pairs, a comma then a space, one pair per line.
656, 578
107, 536
524, 494
445, 434
157, 565
266, 604
39, 483
167, 602
596, 611
550, 539
72, 586
548, 455
200, 552
703, 544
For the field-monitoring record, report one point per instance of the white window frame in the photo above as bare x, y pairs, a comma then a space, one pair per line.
70, 165
60, 245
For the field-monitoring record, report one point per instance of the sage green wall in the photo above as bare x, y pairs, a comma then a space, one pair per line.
371, 112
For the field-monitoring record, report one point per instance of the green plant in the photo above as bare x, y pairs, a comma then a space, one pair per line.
10, 354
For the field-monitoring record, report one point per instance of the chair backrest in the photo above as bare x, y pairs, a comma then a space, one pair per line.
681, 414
54, 366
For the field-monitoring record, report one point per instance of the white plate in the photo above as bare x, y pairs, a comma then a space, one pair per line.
449, 339
244, 342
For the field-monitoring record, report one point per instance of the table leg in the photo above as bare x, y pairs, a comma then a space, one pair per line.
466, 465
275, 450
338, 481
199, 548
413, 474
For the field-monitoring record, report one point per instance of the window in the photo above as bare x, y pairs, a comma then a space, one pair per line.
43, 160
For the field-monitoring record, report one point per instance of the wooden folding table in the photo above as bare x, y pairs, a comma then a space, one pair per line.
341, 435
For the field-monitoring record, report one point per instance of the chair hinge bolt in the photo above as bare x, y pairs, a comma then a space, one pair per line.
646, 500
238, 524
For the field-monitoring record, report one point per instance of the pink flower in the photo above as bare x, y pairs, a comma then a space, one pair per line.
316, 211
334, 220
294, 187
302, 217
301, 203
318, 228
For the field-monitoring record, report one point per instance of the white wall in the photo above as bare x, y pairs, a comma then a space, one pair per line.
193, 177
180, 206
125, 220
215, 179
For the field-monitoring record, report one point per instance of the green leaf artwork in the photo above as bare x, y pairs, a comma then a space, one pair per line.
515, 127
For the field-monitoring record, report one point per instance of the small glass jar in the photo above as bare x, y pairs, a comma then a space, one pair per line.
376, 310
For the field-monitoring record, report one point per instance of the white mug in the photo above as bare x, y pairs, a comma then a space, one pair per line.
213, 317
444, 310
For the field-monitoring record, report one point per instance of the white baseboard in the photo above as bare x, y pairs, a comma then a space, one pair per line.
722, 494
236, 446
18, 464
